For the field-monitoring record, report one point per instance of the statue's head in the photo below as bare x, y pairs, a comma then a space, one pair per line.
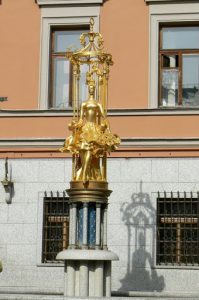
91, 87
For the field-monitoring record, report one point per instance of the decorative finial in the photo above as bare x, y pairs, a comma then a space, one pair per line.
92, 22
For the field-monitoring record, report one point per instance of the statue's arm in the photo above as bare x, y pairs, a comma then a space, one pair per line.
101, 111
104, 122
82, 111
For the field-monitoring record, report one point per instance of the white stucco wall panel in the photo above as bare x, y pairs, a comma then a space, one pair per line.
131, 223
135, 170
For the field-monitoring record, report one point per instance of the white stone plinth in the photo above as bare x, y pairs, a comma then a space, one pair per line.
83, 279
77, 254
70, 278
92, 269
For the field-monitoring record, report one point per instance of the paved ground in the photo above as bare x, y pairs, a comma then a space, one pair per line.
4, 296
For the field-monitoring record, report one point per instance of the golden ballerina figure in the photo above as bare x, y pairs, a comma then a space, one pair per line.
91, 138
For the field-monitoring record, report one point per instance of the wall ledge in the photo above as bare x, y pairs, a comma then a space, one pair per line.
126, 143
112, 112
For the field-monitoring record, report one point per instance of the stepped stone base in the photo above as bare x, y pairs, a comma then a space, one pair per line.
87, 272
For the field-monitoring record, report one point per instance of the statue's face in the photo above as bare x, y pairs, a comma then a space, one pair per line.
91, 89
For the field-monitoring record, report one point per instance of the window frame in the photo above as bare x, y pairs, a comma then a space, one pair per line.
52, 17
180, 53
40, 222
54, 55
165, 13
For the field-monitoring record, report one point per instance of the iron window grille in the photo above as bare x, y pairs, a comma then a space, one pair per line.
55, 225
178, 229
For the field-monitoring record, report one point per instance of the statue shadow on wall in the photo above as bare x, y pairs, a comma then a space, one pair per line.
139, 217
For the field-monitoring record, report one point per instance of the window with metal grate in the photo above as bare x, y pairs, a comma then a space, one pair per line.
178, 229
55, 226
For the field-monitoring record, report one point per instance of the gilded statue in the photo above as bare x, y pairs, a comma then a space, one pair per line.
91, 138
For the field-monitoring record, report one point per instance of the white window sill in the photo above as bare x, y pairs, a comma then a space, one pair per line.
67, 2
111, 112
188, 267
57, 264
167, 1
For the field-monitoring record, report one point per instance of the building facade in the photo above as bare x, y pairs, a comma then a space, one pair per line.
153, 215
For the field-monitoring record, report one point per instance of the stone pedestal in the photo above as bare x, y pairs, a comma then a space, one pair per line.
87, 272
87, 259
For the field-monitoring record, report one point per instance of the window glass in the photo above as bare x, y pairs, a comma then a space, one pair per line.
190, 82
179, 66
60, 93
83, 93
61, 83
169, 88
67, 40
180, 37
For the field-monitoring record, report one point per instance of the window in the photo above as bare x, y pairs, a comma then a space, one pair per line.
61, 22
63, 40
167, 86
55, 226
179, 66
178, 229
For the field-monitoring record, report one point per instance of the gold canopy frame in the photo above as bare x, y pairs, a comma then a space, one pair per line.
91, 137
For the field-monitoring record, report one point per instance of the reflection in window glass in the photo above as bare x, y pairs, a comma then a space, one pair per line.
67, 40
83, 95
61, 69
190, 83
179, 66
180, 37
169, 88
61, 83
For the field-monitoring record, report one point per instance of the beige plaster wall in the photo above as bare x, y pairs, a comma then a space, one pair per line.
19, 53
124, 24
125, 126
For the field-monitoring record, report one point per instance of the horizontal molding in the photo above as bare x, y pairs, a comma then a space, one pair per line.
160, 143
127, 142
67, 2
31, 142
158, 295
111, 112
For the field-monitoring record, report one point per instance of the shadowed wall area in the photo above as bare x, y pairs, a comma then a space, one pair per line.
139, 217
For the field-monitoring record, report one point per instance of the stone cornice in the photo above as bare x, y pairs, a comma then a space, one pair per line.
67, 2
113, 112
126, 143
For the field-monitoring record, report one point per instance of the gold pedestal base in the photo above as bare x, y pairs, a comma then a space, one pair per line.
93, 191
